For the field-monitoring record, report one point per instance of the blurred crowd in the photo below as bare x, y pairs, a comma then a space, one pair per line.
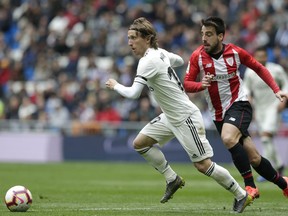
55, 55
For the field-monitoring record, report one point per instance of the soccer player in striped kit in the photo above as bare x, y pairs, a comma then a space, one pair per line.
180, 118
218, 64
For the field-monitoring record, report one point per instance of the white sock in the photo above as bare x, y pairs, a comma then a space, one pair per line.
224, 178
269, 152
156, 158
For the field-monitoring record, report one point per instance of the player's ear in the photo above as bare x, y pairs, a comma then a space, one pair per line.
147, 39
221, 36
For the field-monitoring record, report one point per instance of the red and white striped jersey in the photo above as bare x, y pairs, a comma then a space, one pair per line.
226, 86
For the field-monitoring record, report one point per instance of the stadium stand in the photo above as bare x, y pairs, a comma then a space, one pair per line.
56, 55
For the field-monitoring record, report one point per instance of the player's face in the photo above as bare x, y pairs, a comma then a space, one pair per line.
261, 56
211, 41
138, 44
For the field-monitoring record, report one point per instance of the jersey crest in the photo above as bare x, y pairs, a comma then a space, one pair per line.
230, 61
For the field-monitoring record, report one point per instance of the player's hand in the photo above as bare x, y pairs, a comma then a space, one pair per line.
282, 106
111, 83
281, 95
206, 81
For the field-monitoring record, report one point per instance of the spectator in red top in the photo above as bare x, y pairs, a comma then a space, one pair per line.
105, 110
218, 64
5, 73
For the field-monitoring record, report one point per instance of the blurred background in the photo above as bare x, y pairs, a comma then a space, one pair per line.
56, 55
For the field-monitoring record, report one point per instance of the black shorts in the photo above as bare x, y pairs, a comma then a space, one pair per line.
239, 115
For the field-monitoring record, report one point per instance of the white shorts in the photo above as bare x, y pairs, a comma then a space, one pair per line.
267, 119
191, 135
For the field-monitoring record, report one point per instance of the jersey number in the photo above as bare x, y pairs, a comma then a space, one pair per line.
172, 74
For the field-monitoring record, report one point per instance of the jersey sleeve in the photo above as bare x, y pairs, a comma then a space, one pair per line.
146, 69
258, 68
175, 60
132, 92
192, 72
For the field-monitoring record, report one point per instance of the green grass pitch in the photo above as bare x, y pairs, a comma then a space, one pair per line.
126, 189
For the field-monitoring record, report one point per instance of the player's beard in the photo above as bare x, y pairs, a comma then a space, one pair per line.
214, 49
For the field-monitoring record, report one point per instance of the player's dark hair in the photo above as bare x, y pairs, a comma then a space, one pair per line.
261, 48
216, 22
146, 29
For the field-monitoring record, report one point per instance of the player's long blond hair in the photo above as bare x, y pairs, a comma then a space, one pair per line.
146, 30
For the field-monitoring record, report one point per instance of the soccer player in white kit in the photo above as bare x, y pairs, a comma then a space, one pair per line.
267, 107
180, 117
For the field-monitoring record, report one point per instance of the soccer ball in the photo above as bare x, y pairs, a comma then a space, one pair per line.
18, 199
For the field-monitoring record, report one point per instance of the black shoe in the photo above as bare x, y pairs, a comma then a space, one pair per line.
171, 188
240, 205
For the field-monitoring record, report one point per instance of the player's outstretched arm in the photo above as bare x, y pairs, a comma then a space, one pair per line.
132, 92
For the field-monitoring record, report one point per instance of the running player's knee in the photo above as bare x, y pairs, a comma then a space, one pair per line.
137, 144
228, 140
142, 141
202, 166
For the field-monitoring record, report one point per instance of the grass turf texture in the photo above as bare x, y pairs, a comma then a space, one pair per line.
126, 189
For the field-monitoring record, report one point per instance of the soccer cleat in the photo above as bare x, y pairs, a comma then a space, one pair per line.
240, 205
171, 188
253, 192
285, 191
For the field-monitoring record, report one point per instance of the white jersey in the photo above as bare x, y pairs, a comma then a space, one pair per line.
263, 96
265, 102
155, 70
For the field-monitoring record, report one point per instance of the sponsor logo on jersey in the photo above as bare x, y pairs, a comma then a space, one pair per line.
223, 76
